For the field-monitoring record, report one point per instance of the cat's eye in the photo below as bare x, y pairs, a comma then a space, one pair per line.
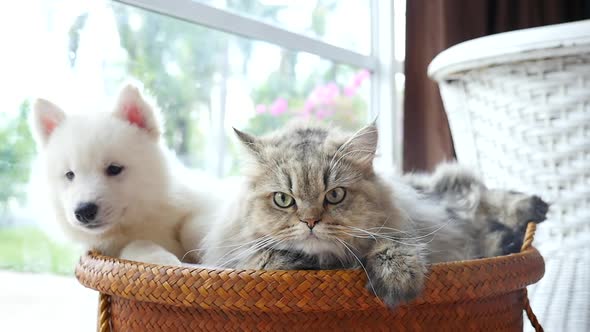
336, 195
283, 200
114, 169
70, 175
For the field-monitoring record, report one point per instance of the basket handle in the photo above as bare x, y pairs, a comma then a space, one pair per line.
104, 313
527, 244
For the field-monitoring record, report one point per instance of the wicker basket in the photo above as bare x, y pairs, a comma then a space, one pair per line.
479, 295
518, 105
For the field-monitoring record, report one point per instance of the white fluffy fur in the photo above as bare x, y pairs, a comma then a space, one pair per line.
151, 211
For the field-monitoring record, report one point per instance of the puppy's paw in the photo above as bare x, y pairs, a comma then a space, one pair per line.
149, 252
395, 274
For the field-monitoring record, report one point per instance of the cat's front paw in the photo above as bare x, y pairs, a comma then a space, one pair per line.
532, 209
395, 274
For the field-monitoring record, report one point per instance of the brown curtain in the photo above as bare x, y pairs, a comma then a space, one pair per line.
434, 25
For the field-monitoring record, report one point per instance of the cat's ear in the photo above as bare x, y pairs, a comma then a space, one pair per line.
133, 108
251, 143
362, 146
43, 120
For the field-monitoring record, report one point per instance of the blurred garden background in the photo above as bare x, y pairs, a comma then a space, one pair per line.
78, 53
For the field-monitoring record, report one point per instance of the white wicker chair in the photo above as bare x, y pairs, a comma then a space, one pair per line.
518, 105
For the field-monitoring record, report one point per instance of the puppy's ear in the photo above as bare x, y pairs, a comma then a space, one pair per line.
43, 120
133, 108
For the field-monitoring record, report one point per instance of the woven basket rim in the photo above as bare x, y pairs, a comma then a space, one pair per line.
557, 40
286, 291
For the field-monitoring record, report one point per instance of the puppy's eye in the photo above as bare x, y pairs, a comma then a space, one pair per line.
114, 170
283, 200
336, 195
70, 175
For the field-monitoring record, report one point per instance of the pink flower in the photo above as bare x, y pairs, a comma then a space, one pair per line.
313, 98
357, 81
304, 115
332, 91
323, 113
308, 106
324, 94
310, 103
360, 77
350, 90
260, 108
280, 106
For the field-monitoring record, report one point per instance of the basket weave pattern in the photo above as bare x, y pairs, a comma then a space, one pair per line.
525, 124
502, 313
518, 105
481, 294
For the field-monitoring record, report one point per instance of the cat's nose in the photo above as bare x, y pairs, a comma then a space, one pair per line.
311, 222
86, 212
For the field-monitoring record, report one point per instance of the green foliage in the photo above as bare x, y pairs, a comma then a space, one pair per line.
318, 16
163, 43
201, 58
28, 249
262, 123
74, 37
16, 152
180, 64
255, 8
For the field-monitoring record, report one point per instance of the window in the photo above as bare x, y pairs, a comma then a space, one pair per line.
211, 65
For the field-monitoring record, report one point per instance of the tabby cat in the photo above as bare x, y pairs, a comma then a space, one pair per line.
312, 200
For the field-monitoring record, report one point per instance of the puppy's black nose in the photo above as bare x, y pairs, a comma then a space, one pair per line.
86, 212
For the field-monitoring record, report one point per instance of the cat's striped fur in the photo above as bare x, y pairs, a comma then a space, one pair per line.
391, 226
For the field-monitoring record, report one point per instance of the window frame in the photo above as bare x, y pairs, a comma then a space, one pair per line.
384, 99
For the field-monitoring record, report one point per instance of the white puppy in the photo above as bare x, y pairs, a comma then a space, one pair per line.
115, 187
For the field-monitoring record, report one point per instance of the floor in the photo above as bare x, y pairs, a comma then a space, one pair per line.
42, 302
561, 300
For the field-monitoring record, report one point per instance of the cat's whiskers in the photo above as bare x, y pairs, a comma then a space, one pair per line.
272, 244
363, 234
219, 247
341, 261
396, 231
436, 230
371, 234
360, 262
264, 242
262, 239
242, 254
275, 245
384, 222
254, 248
406, 232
